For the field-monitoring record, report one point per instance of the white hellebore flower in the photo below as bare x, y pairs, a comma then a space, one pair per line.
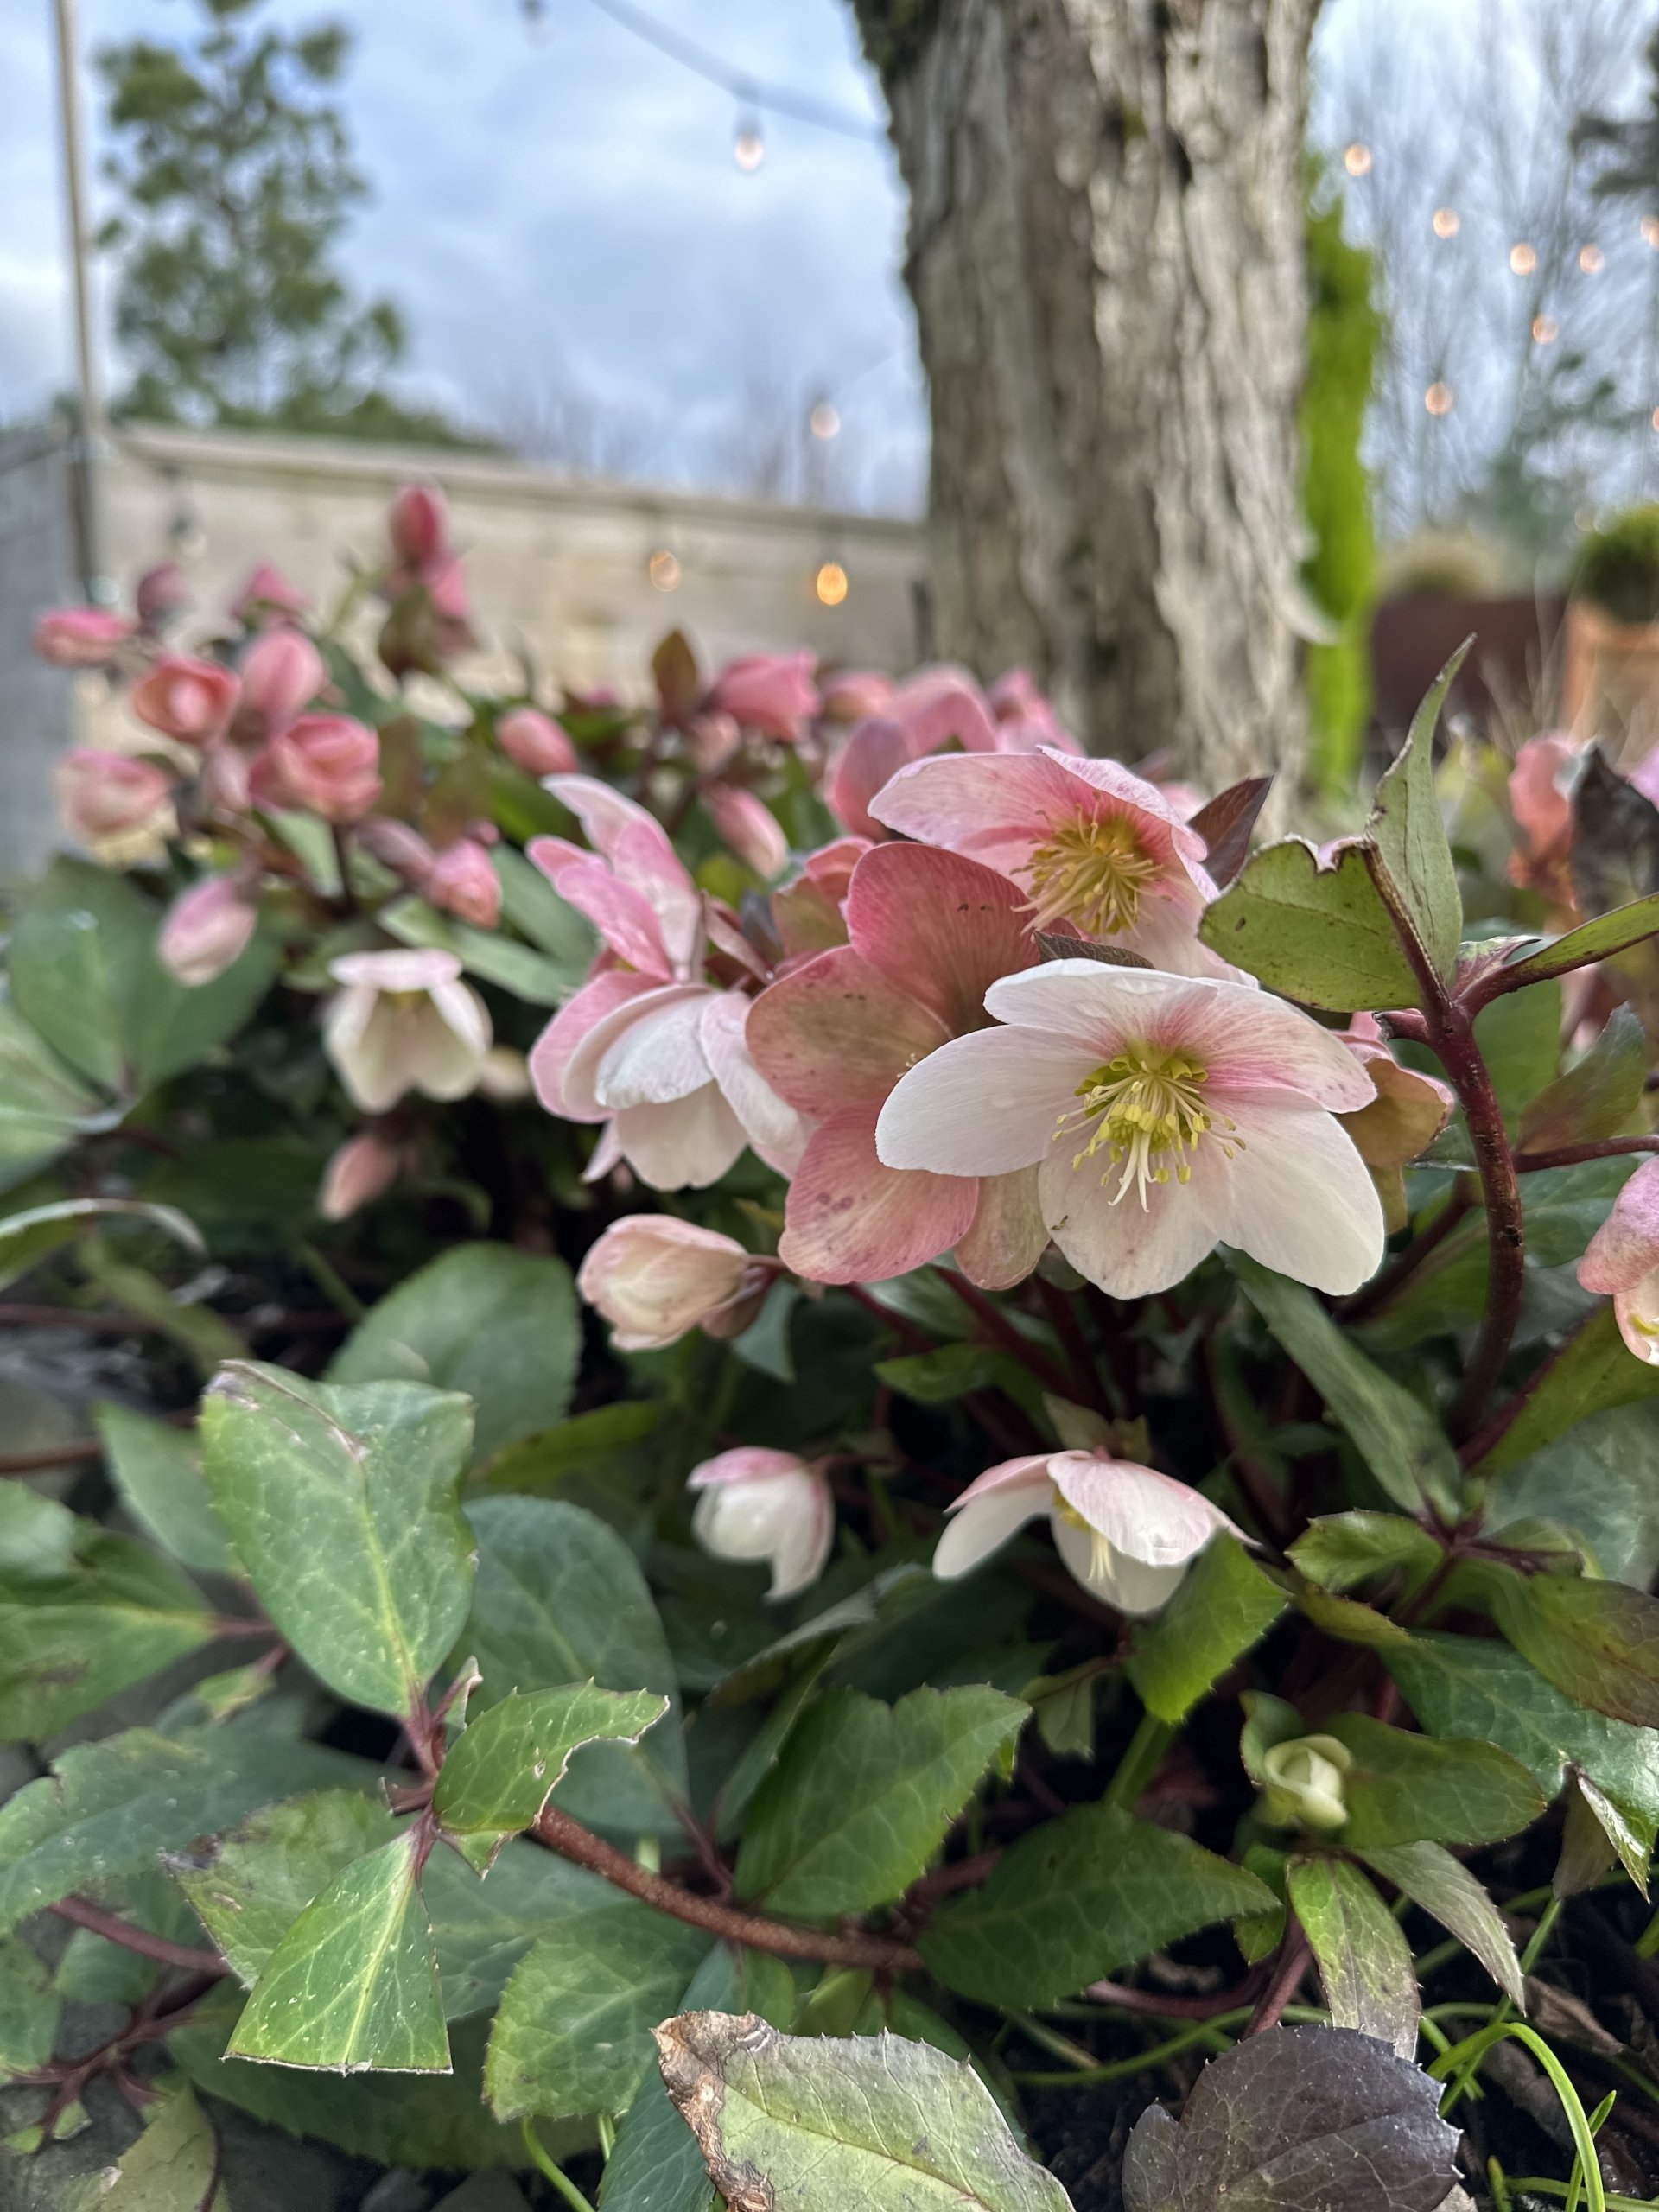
1168, 1113
405, 1021
654, 1278
1127, 1533
757, 1504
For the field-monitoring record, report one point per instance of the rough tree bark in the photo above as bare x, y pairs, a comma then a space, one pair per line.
1106, 256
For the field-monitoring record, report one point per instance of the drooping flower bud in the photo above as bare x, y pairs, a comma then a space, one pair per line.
539, 744
80, 637
268, 596
462, 882
190, 700
771, 692
760, 1505
852, 693
207, 929
418, 525
1623, 1260
110, 795
329, 763
362, 1168
160, 596
749, 827
282, 673
655, 1279
398, 847
405, 1021
1305, 1782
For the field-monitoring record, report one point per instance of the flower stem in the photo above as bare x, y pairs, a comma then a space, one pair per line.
1141, 1761
545, 2165
1453, 1035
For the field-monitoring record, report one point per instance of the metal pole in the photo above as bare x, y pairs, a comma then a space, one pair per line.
90, 447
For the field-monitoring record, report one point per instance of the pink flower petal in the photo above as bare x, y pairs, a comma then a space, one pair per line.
1299, 1198
580, 1084
1146, 1515
849, 1219
944, 706
550, 1056
623, 918
655, 1054
1626, 1246
994, 807
876, 750
745, 1463
1251, 1042
775, 1130
937, 926
414, 970
836, 1034
984, 1104
1008, 1235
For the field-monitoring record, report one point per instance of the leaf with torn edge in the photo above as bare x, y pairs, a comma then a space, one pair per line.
1299, 2119
503, 1768
859, 2124
1410, 835
353, 1985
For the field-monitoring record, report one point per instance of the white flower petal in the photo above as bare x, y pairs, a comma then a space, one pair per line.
656, 1057
687, 1143
1300, 1199
579, 1080
1124, 1583
985, 1524
983, 1104
1128, 1250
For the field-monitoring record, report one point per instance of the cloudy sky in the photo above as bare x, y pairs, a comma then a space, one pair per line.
561, 221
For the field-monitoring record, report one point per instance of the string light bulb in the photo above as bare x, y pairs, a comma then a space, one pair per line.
1523, 258
1545, 329
1356, 159
1439, 398
1446, 222
1591, 260
1654, 418
663, 570
1650, 230
824, 421
830, 583
748, 147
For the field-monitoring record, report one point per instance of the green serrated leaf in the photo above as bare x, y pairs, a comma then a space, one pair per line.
30, 2008
1225, 1606
1394, 1433
1597, 1095
1410, 836
113, 1806
1405, 1788
1321, 935
861, 2125
593, 1447
1343, 1549
573, 2034
249, 1885
1592, 1372
864, 1794
1365, 1960
503, 1768
1597, 1641
1078, 1898
157, 1470
1431, 1878
173, 2167
353, 1984
1591, 941
499, 1325
560, 1600
341, 1502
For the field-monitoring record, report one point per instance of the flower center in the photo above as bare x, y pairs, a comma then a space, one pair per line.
1092, 872
1100, 1552
1147, 1111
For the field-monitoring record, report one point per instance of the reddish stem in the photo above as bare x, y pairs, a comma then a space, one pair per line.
1159, 2007
1294, 1956
1063, 1319
1453, 1039
114, 1930
1571, 1155
58, 1455
1003, 1334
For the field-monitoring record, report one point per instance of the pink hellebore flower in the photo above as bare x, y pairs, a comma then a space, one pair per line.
463, 881
1644, 777
851, 694
160, 595
539, 745
267, 596
771, 692
207, 929
361, 1170
654, 1278
405, 1021
80, 637
1542, 805
191, 700
1169, 1114
647, 1044
282, 672
757, 1505
1024, 718
748, 828
930, 932
328, 763
1125, 1532
109, 796
1622, 1258
418, 524
1091, 842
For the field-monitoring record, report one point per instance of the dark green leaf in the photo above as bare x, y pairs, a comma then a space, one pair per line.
1343, 1549
1299, 2119
814, 2124
1410, 836
1078, 1898
157, 1470
27, 1238
1593, 1371
352, 1987
1597, 1640
1431, 1878
341, 1502
1519, 1039
1321, 935
573, 2034
952, 1370
482, 1929
173, 2167
1599, 1484
864, 1794
592, 1447
1598, 1095
560, 1600
30, 2008
1394, 1433
1591, 941
502, 1769
1365, 1960
43, 1105
499, 1325
1403, 1789
249, 1885
1225, 1606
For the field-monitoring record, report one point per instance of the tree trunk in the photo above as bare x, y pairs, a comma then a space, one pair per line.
1106, 256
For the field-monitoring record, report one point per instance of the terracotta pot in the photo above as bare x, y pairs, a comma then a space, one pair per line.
1610, 683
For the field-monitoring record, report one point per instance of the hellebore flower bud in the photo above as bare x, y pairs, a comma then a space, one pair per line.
191, 700
282, 673
363, 1168
207, 928
80, 637
759, 1505
267, 596
771, 692
418, 525
1305, 1782
537, 742
655, 1278
160, 595
328, 763
109, 795
1623, 1258
748, 826
462, 882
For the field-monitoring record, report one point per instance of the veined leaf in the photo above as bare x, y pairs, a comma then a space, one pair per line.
173, 2163
1365, 1960
157, 1470
1322, 935
26, 1239
1592, 1372
1599, 939
1410, 836
504, 1765
249, 1885
1597, 1095
1404, 1788
1225, 1606
1443, 1886
1597, 1640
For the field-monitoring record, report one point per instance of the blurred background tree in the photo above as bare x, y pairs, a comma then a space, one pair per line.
235, 174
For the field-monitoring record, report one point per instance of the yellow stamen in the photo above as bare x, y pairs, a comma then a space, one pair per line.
1146, 1106
1090, 872
1100, 1552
